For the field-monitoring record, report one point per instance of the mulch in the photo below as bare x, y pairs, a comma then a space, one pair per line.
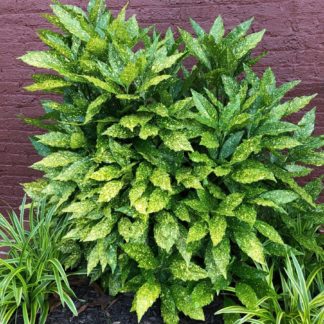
95, 307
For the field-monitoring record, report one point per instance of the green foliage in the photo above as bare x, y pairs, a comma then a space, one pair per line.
167, 181
299, 298
31, 272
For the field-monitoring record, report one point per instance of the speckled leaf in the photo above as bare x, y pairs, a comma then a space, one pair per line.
166, 231
209, 140
217, 228
281, 143
290, 107
131, 230
252, 171
249, 243
110, 190
248, 43
217, 30
48, 85
118, 131
156, 108
57, 159
131, 121
106, 173
306, 125
280, 197
93, 258
181, 211
142, 254
194, 48
227, 206
268, 231
169, 310
202, 295
206, 109
95, 106
101, 229
70, 23
148, 130
74, 172
192, 272
275, 128
160, 178
243, 151
158, 200
230, 145
55, 139
104, 85
246, 295
166, 62
176, 141
43, 59
145, 297
129, 73
197, 231
246, 213
222, 256
222, 170
153, 82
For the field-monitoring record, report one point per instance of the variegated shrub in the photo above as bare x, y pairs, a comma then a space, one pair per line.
175, 182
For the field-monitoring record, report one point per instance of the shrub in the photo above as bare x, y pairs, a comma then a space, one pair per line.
31, 272
169, 178
298, 299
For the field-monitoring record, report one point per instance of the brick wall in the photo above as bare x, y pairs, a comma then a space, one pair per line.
295, 37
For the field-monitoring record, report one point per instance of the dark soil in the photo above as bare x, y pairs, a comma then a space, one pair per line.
95, 307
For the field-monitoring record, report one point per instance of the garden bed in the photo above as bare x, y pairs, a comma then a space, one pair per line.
95, 307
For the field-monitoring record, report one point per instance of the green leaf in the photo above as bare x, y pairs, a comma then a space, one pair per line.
71, 23
165, 63
93, 259
230, 145
197, 28
106, 173
195, 48
95, 9
176, 141
290, 107
222, 256
142, 254
246, 148
268, 231
158, 200
160, 178
43, 59
248, 43
101, 229
217, 229
227, 206
104, 85
217, 30
129, 74
246, 295
276, 128
281, 143
306, 125
252, 171
48, 85
110, 190
166, 231
202, 295
132, 230
197, 231
249, 243
153, 82
184, 272
131, 121
209, 140
145, 297
94, 107
55, 139
246, 213
206, 109
280, 197
57, 159
168, 308
231, 87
